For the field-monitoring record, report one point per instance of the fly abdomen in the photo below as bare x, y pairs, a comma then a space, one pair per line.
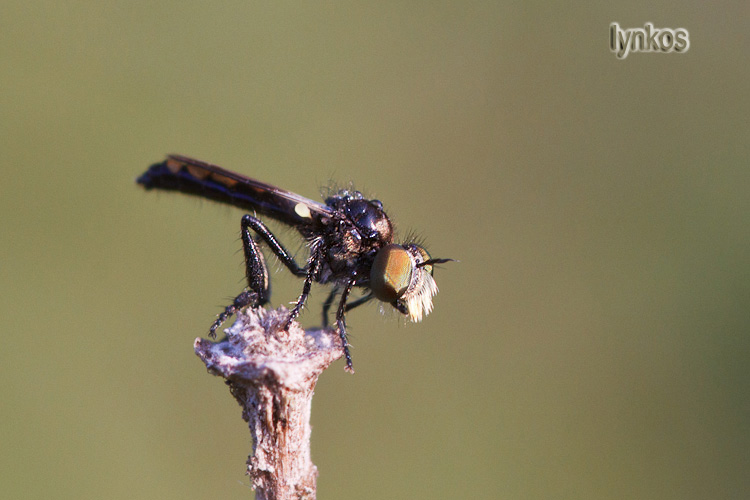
194, 177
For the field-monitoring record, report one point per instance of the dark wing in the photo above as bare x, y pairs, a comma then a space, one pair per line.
179, 173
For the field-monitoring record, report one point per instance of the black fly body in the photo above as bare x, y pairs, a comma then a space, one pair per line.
350, 241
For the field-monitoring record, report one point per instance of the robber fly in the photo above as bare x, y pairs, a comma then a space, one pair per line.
350, 239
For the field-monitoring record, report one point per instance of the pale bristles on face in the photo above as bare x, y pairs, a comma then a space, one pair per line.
419, 302
418, 298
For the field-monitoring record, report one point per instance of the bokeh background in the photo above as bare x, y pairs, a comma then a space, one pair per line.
592, 342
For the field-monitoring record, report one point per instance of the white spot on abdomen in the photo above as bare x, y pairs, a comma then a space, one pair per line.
302, 210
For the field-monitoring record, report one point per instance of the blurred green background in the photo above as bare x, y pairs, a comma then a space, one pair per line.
591, 343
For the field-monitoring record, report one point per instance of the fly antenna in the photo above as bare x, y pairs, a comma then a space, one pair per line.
431, 262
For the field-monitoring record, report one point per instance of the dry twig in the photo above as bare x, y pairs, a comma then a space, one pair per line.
272, 373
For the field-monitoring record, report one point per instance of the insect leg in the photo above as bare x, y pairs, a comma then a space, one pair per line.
341, 322
246, 298
248, 221
259, 287
327, 305
256, 270
359, 302
351, 305
258, 292
312, 269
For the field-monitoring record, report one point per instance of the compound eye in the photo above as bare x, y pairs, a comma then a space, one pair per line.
391, 273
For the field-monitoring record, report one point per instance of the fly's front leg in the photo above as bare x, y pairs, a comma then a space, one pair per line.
351, 305
359, 302
341, 322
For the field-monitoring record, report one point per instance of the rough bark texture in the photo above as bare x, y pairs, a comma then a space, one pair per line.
272, 373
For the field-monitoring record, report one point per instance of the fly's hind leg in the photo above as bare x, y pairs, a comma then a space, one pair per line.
246, 298
258, 291
283, 254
